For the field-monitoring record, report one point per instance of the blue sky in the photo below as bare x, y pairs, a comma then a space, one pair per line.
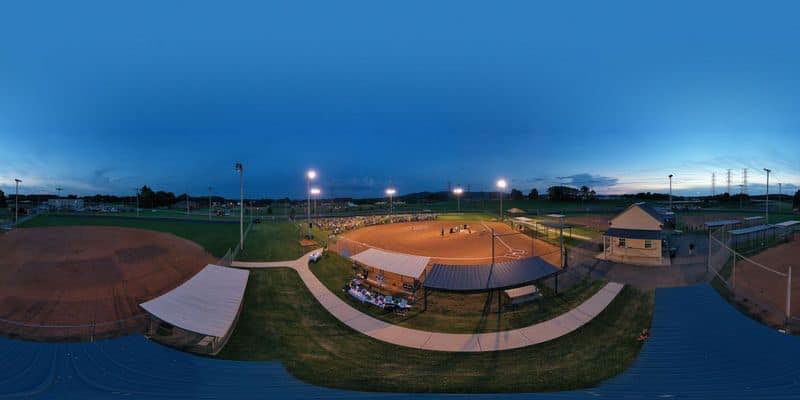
97, 97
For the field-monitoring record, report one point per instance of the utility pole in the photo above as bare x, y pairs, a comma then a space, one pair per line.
670, 192
240, 169
780, 196
209, 202
767, 207
16, 201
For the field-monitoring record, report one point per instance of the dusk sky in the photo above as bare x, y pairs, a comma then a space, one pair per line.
101, 97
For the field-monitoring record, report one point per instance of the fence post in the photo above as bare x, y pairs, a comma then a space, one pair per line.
789, 297
708, 263
733, 274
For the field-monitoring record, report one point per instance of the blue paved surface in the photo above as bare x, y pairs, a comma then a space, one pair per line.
701, 348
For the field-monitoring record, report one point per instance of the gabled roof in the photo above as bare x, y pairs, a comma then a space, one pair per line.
652, 211
398, 263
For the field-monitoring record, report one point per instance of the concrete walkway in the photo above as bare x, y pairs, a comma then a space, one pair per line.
437, 341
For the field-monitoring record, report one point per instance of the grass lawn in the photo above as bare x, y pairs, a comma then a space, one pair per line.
277, 241
216, 238
282, 321
457, 312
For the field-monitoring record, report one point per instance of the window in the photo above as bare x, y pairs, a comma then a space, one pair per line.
621, 242
648, 244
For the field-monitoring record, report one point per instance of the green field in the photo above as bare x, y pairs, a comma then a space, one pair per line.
282, 321
277, 241
216, 238
457, 312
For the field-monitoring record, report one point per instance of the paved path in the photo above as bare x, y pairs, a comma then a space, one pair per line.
438, 341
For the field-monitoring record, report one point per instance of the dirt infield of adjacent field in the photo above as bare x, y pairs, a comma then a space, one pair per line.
85, 282
472, 245
767, 288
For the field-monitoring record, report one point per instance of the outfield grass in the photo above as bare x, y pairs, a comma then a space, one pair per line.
215, 238
277, 241
457, 312
282, 321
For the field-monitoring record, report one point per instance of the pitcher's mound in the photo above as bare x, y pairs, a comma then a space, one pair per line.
86, 282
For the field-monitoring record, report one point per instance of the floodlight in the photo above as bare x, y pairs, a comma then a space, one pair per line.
391, 191
311, 174
501, 183
458, 190
315, 191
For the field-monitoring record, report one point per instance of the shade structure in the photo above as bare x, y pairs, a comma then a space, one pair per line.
752, 229
398, 263
207, 304
476, 278
725, 222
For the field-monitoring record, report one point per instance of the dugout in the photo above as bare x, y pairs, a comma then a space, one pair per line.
393, 272
753, 237
199, 315
487, 278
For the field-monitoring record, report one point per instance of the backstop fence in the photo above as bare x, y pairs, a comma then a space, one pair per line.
759, 283
73, 332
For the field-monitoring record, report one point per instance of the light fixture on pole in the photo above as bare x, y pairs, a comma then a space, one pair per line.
240, 169
310, 175
209, 202
501, 185
16, 200
767, 170
390, 192
670, 192
315, 192
458, 192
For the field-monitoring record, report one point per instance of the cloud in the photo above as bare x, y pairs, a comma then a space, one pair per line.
592, 181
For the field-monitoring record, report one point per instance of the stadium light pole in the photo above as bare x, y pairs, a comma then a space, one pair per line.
137, 201
240, 169
58, 189
390, 192
501, 185
670, 192
315, 192
16, 200
767, 206
209, 202
458, 192
310, 175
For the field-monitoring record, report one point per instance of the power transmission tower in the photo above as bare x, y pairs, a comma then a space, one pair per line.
729, 181
713, 184
744, 181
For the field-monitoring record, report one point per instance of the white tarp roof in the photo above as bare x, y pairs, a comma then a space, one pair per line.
398, 263
206, 304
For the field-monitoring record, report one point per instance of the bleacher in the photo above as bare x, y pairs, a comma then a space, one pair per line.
700, 348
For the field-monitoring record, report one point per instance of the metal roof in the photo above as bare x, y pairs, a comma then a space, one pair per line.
752, 229
724, 222
787, 224
472, 278
398, 263
633, 233
556, 225
755, 218
522, 291
206, 304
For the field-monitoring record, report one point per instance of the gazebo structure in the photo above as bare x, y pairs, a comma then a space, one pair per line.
200, 314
